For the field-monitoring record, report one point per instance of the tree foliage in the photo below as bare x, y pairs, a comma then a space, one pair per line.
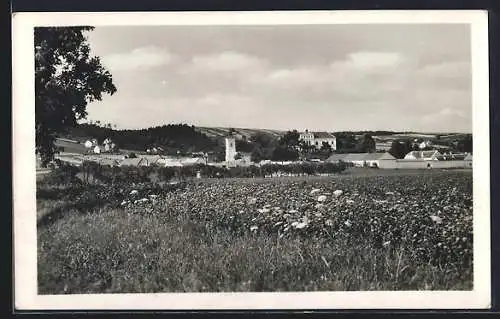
67, 78
367, 144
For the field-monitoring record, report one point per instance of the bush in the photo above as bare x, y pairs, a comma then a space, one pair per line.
62, 175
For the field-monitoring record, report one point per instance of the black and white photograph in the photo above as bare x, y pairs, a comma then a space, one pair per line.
200, 159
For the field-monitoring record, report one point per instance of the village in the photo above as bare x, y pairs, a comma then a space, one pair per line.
427, 156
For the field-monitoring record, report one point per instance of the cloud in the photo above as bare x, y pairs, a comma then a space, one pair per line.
226, 61
370, 60
138, 59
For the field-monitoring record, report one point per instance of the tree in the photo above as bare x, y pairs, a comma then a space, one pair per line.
256, 155
67, 78
397, 150
465, 145
238, 156
367, 144
325, 146
291, 138
283, 153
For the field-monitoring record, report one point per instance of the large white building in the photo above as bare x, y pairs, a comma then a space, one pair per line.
316, 139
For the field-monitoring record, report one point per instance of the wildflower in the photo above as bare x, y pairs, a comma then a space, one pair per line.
294, 224
386, 243
348, 223
301, 225
436, 219
322, 198
252, 201
134, 192
349, 201
254, 228
329, 222
319, 206
153, 196
314, 191
125, 202
338, 192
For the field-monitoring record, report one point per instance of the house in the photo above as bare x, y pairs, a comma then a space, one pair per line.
423, 155
336, 158
138, 161
169, 162
425, 144
192, 161
316, 139
363, 159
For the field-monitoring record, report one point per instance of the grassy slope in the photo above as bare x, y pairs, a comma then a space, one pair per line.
110, 250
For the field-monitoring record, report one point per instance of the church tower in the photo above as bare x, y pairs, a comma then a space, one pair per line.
230, 148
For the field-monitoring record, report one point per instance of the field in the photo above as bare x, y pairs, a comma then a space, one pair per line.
355, 231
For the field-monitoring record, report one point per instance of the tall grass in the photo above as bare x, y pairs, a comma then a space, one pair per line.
113, 251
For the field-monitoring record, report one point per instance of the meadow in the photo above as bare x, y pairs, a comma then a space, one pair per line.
383, 230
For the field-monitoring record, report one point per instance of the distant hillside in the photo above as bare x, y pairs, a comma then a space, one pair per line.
219, 132
181, 137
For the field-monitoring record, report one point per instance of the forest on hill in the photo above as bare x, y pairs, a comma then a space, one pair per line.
173, 138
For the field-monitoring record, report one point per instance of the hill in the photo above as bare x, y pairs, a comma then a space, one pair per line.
246, 133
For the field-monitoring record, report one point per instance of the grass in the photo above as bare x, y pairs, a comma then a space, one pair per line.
106, 249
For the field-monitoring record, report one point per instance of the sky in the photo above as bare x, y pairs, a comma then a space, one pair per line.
318, 77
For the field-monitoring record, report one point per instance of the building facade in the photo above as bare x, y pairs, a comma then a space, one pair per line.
230, 148
317, 139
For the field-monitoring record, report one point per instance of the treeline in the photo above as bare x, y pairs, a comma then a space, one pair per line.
92, 171
173, 138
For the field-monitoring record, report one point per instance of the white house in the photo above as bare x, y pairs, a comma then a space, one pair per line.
432, 155
364, 159
425, 144
316, 139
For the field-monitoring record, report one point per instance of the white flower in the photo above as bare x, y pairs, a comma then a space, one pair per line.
348, 223
254, 228
322, 198
301, 225
125, 202
264, 210
329, 222
436, 219
314, 191
294, 224
338, 192
153, 196
134, 192
386, 243
252, 201
319, 205
349, 201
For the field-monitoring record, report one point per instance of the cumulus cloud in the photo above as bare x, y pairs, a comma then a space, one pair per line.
138, 59
369, 60
226, 61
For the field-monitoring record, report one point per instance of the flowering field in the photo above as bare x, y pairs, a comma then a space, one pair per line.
377, 232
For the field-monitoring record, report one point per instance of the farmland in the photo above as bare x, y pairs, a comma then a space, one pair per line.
354, 231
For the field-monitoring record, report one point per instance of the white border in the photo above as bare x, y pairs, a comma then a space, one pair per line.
26, 297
